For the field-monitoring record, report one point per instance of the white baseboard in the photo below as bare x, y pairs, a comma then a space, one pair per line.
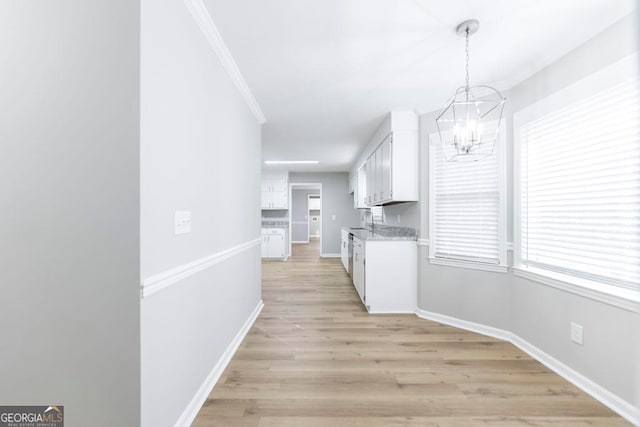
330, 255
192, 409
299, 241
615, 403
500, 334
392, 312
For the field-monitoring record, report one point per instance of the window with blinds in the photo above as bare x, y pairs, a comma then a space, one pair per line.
580, 183
466, 205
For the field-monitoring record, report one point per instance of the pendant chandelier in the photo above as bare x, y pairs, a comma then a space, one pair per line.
469, 121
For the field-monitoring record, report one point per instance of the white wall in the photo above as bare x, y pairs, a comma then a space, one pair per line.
69, 230
201, 151
403, 214
337, 201
537, 313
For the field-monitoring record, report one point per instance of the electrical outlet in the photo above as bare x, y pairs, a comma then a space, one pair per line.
182, 222
333, 217
576, 333
398, 219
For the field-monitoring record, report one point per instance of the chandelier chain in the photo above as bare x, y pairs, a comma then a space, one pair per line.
467, 58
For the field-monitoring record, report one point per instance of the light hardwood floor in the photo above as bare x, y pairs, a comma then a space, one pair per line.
315, 358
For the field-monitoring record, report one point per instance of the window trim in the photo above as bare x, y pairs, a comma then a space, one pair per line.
501, 154
616, 296
482, 266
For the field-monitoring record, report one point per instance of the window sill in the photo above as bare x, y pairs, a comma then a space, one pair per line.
622, 298
495, 268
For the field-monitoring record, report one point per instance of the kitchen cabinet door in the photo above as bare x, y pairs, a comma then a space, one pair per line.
385, 169
266, 199
344, 253
279, 185
356, 197
265, 246
276, 246
275, 190
359, 268
279, 200
362, 189
378, 175
369, 178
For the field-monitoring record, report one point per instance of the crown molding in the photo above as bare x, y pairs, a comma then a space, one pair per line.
205, 22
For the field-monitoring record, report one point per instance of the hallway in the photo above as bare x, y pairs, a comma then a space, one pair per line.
315, 358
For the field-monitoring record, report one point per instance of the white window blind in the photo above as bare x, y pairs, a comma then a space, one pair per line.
465, 205
580, 185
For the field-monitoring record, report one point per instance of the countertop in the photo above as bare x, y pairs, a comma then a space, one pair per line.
384, 232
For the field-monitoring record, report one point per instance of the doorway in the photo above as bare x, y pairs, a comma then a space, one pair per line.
305, 218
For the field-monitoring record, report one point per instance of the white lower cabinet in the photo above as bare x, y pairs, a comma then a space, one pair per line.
385, 275
265, 245
273, 243
359, 269
344, 250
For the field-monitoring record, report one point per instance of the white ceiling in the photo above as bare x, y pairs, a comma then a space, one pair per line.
325, 72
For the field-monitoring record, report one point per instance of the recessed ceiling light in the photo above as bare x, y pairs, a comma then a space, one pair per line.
290, 162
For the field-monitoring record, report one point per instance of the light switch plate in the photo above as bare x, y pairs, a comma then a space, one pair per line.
182, 222
576, 333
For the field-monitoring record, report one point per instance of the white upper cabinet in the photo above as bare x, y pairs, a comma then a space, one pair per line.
385, 170
353, 182
369, 168
314, 204
275, 191
392, 164
360, 190
377, 176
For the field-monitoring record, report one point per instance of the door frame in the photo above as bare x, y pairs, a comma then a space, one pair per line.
314, 185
